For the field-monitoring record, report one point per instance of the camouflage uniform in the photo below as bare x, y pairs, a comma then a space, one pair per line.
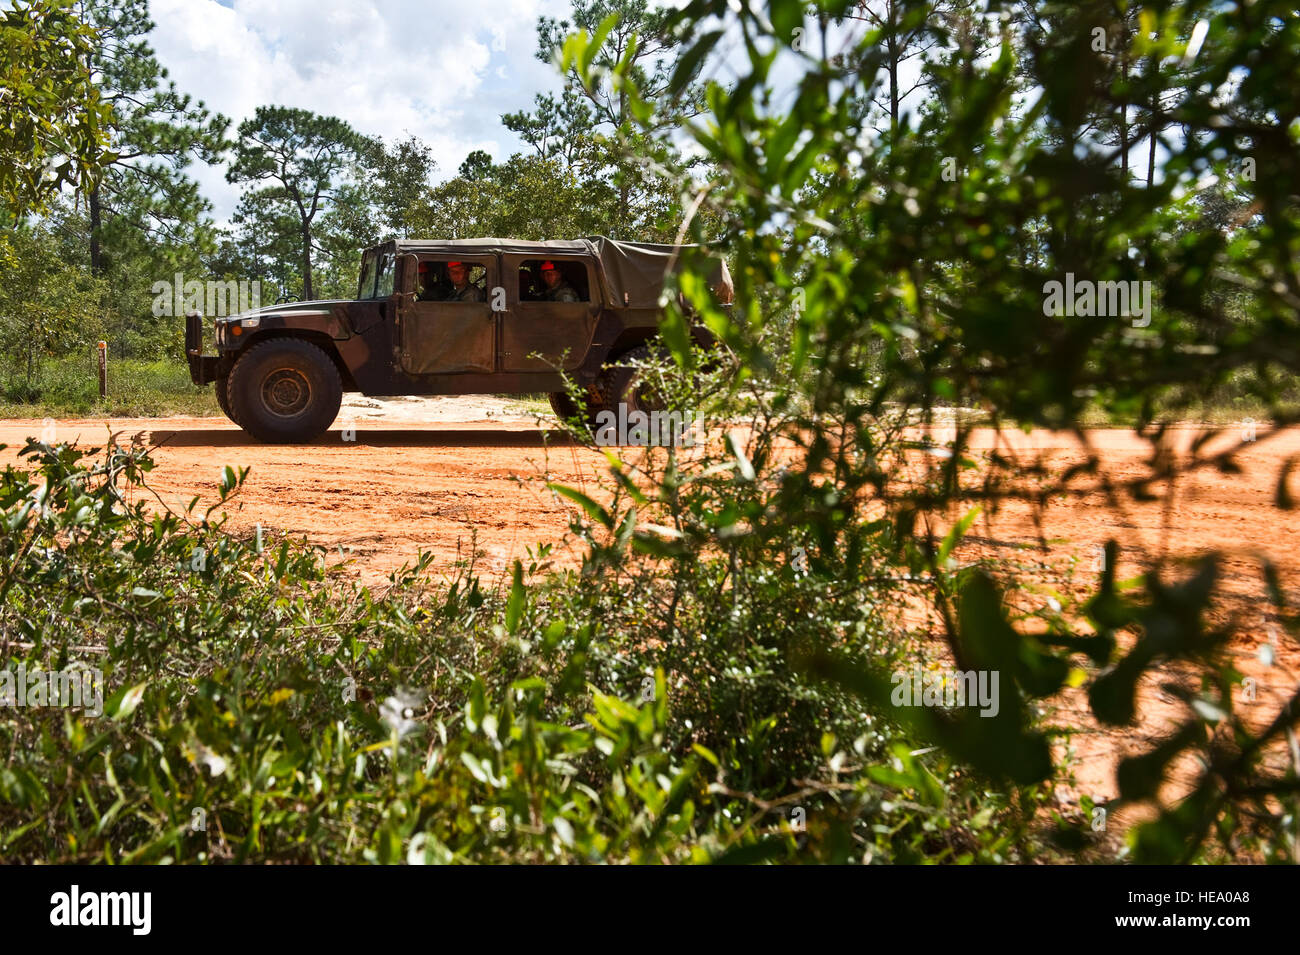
562, 293
470, 293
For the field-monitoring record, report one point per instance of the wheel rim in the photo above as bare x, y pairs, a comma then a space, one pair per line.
286, 392
646, 397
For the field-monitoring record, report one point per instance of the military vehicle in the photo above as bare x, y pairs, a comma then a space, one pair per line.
476, 316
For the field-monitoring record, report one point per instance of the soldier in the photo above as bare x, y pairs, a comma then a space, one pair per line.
429, 291
557, 289
462, 290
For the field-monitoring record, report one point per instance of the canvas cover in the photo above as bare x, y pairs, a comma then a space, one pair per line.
634, 271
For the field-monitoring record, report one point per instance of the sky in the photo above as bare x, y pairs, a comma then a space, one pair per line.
441, 70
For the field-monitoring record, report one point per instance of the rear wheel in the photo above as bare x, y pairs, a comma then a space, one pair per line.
284, 391
624, 384
566, 409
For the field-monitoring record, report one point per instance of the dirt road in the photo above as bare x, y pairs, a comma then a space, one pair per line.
376, 491
396, 477
451, 475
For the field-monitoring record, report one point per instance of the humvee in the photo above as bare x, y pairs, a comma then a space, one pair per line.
280, 371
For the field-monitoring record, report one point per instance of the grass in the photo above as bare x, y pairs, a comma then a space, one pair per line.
528, 404
70, 388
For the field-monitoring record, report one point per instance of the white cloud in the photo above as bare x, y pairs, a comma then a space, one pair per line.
444, 71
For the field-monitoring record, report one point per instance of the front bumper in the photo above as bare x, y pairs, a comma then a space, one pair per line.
203, 368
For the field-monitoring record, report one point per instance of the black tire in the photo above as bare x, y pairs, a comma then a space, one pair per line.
222, 389
620, 383
285, 391
566, 409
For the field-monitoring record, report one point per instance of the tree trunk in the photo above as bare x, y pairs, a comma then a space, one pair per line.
1123, 107
893, 52
96, 260
623, 198
1151, 156
306, 263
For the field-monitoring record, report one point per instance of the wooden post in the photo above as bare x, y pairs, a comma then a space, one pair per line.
103, 369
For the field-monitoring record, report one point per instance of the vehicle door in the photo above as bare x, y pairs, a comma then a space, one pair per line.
542, 335
442, 331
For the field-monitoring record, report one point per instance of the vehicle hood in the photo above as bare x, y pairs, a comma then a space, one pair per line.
320, 307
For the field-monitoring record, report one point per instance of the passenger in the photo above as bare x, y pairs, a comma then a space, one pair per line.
557, 288
429, 290
462, 289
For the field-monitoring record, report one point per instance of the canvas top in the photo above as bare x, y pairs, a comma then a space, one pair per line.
634, 271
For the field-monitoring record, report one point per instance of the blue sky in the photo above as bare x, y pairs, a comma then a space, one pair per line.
444, 71
441, 70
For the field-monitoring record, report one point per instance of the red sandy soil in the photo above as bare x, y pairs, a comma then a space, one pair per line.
404, 486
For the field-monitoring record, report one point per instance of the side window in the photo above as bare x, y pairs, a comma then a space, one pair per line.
553, 280
451, 280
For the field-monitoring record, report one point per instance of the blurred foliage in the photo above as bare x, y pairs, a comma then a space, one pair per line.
912, 267
55, 131
715, 683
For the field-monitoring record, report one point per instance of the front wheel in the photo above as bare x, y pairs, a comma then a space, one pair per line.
285, 391
222, 389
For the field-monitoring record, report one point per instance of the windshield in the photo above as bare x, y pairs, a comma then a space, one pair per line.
376, 275
367, 287
384, 284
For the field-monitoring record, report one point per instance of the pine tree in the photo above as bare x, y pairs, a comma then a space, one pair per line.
144, 196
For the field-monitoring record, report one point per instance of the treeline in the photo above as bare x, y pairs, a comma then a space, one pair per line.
897, 185
101, 211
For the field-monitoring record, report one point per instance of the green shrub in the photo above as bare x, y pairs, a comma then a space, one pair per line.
260, 708
69, 387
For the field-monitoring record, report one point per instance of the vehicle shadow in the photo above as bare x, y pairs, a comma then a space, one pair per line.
370, 438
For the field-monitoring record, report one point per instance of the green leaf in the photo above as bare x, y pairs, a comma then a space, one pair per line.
689, 62
956, 533
602, 32
124, 702
515, 604
594, 510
